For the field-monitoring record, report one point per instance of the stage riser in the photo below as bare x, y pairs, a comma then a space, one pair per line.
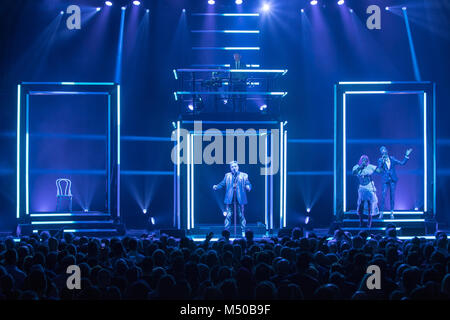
388, 216
375, 223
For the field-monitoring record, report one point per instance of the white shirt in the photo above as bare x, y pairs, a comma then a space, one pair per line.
388, 163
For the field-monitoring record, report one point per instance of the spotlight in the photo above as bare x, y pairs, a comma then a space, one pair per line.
403, 8
238, 1
225, 101
144, 211
263, 107
61, 13
307, 220
191, 107
313, 2
302, 10
136, 3
174, 125
108, 3
417, 209
266, 7
148, 10
86, 210
308, 210
123, 8
340, 2
224, 213
351, 10
387, 8
98, 9
211, 2
184, 10
152, 221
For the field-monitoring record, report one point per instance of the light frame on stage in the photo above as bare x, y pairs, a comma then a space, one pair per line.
189, 223
27, 89
426, 90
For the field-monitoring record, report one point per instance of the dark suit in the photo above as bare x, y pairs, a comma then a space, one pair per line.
389, 178
233, 194
238, 83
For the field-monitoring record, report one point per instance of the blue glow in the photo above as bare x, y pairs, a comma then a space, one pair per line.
425, 160
53, 222
27, 157
238, 2
340, 2
136, 3
227, 14
281, 172
108, 3
188, 182
118, 124
225, 48
403, 220
263, 107
313, 2
365, 82
266, 7
275, 93
175, 74
18, 153
211, 2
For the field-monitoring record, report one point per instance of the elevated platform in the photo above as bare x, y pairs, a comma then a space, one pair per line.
90, 223
407, 223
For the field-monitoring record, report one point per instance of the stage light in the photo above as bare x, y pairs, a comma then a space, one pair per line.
302, 10
387, 8
191, 107
351, 10
225, 101
174, 125
263, 107
211, 2
108, 3
184, 10
224, 213
403, 8
147, 11
136, 3
307, 219
313, 2
123, 8
62, 12
144, 211
86, 210
417, 209
238, 1
340, 2
266, 7
308, 210
98, 9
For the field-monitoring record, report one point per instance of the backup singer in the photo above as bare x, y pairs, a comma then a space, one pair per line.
236, 184
366, 190
386, 166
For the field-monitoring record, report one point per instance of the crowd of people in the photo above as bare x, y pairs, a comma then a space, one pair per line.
289, 268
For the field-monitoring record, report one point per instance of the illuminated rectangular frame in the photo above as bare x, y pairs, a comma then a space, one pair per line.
20, 119
390, 87
268, 213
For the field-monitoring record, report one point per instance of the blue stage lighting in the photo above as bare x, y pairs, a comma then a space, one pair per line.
108, 3
211, 2
136, 3
308, 210
263, 107
147, 11
184, 10
238, 1
403, 8
191, 107
98, 9
152, 221
86, 210
123, 8
302, 10
62, 12
351, 10
144, 211
307, 220
266, 7
340, 2
387, 8
313, 2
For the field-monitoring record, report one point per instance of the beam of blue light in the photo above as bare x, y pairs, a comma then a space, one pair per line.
49, 93
145, 173
411, 47
266, 93
18, 153
71, 83
425, 160
227, 14
120, 48
27, 157
365, 82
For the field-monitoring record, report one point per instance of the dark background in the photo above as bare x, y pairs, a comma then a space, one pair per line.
331, 45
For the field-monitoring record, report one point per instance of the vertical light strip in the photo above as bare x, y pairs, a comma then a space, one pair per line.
265, 183
192, 182
281, 173
118, 150
178, 174
425, 172
271, 181
188, 181
18, 153
285, 178
109, 153
27, 158
344, 145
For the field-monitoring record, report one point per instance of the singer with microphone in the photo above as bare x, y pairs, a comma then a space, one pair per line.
366, 190
236, 184
386, 166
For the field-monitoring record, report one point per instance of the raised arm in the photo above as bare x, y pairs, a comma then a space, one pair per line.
405, 159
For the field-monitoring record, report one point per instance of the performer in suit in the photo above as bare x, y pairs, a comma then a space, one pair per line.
366, 190
236, 184
386, 166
